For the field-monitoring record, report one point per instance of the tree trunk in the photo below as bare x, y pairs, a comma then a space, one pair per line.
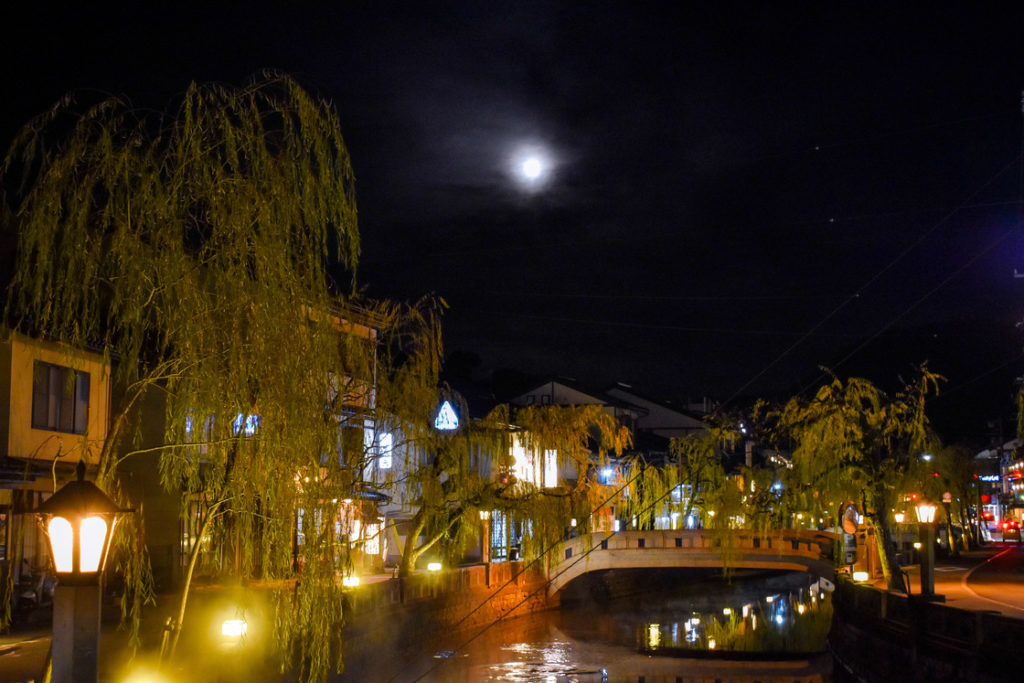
193, 558
410, 553
886, 552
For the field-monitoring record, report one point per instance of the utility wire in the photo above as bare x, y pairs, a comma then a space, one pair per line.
992, 245
544, 586
537, 559
874, 278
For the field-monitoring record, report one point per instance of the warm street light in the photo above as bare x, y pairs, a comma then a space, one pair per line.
926, 530
79, 521
925, 513
899, 516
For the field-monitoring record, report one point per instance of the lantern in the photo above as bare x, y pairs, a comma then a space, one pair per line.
79, 521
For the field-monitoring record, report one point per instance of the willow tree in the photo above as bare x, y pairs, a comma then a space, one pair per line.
854, 438
451, 478
691, 479
193, 248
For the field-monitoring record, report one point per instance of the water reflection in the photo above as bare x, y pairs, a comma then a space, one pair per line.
779, 625
778, 617
691, 630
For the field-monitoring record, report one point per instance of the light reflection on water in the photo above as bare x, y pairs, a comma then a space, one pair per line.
729, 633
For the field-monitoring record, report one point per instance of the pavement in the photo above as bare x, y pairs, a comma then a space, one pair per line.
988, 579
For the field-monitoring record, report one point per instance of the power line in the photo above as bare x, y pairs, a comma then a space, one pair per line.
532, 562
545, 585
885, 269
992, 245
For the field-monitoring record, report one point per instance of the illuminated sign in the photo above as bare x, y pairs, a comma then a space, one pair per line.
446, 419
989, 477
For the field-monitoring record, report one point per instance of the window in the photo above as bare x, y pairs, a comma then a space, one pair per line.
550, 468
246, 425
385, 443
60, 398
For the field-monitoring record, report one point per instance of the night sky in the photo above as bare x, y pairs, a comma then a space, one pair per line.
733, 194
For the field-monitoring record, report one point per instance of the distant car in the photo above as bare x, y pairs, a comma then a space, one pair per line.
1011, 530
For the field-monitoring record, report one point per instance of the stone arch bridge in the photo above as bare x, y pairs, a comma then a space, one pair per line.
784, 550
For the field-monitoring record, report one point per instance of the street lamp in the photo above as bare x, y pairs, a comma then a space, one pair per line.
79, 521
926, 530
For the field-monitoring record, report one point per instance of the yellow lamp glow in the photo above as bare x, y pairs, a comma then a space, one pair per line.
434, 567
925, 513
92, 535
654, 635
234, 628
61, 540
899, 517
860, 576
79, 520
350, 581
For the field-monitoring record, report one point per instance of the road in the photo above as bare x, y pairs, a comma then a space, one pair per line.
988, 579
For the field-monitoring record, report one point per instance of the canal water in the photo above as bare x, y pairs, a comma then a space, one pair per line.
682, 627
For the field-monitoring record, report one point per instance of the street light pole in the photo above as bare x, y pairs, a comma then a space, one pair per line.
926, 532
79, 521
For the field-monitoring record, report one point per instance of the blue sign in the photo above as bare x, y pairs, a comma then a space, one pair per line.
446, 419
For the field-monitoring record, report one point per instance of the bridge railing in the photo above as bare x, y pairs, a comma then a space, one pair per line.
800, 542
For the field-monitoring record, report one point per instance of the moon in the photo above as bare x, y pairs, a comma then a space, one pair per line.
532, 168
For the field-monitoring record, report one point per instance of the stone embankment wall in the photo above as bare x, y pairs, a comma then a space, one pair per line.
880, 636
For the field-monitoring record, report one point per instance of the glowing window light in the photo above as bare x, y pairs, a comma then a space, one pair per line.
93, 534
234, 628
60, 541
654, 635
550, 468
446, 419
385, 447
245, 424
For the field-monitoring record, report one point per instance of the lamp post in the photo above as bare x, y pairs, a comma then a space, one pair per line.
926, 531
79, 521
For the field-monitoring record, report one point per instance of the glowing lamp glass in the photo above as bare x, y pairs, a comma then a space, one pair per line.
234, 628
93, 537
350, 581
434, 567
860, 576
925, 513
61, 542
899, 517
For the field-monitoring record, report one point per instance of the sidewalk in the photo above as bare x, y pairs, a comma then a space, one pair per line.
956, 579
